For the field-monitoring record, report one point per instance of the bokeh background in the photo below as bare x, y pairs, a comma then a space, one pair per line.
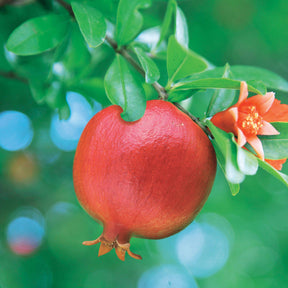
239, 241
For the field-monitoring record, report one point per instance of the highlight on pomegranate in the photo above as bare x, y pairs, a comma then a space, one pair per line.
143, 144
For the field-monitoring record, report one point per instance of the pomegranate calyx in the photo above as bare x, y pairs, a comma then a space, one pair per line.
121, 250
106, 246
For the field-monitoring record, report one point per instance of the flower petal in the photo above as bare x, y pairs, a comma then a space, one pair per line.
267, 129
256, 144
226, 120
243, 93
262, 102
277, 113
241, 138
277, 164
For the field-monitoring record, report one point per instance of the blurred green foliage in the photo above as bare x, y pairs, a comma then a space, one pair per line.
241, 33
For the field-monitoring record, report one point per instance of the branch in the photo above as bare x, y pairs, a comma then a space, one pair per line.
5, 2
122, 51
67, 7
158, 87
13, 75
125, 53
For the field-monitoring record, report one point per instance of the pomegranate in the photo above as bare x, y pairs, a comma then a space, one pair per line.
147, 178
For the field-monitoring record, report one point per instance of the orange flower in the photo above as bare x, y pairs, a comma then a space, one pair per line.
250, 117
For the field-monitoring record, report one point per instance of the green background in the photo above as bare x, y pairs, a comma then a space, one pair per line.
254, 223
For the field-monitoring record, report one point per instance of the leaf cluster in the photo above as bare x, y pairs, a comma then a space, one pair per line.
71, 42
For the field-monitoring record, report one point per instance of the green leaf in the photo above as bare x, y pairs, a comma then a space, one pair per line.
270, 79
181, 29
37, 90
234, 188
217, 72
259, 85
152, 73
276, 146
38, 35
227, 150
129, 20
233, 160
64, 111
55, 95
249, 74
91, 88
209, 83
91, 22
278, 175
32, 67
108, 8
182, 62
171, 8
76, 57
222, 98
123, 89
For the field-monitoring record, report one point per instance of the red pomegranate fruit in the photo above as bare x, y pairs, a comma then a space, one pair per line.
147, 178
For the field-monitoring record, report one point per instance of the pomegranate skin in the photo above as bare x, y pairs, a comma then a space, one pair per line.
147, 178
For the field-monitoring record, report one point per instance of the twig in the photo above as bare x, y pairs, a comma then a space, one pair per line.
125, 53
158, 87
5, 2
66, 6
13, 75
195, 119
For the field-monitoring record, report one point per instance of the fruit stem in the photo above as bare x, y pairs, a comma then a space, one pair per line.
163, 95
195, 119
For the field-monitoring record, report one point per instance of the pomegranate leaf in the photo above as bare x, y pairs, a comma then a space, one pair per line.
75, 55
129, 20
91, 22
181, 28
246, 73
91, 88
38, 35
226, 149
269, 78
53, 94
176, 93
278, 175
152, 73
235, 161
171, 7
124, 89
182, 62
37, 90
275, 146
222, 98
234, 188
